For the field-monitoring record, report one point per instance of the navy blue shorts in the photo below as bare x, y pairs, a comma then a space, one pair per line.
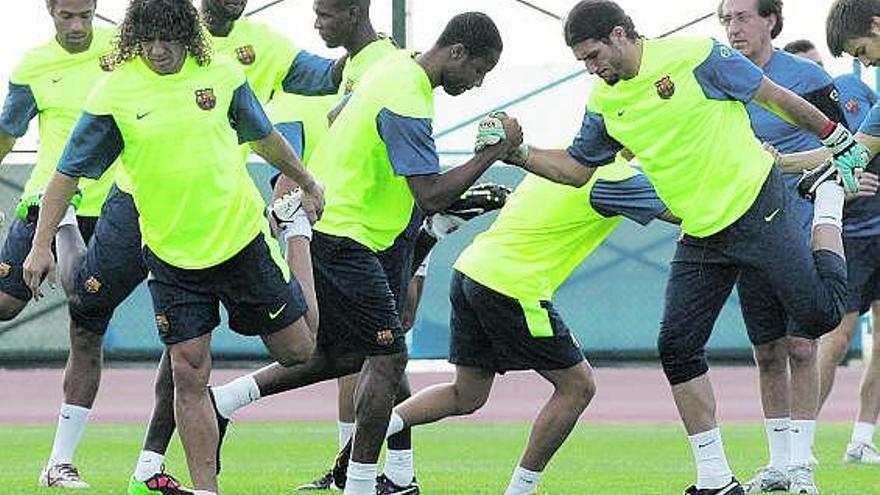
357, 306
498, 333
397, 260
766, 244
863, 268
113, 266
18, 244
250, 285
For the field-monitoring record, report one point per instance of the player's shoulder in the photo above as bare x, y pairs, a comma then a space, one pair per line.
35, 60
223, 68
804, 72
685, 47
262, 33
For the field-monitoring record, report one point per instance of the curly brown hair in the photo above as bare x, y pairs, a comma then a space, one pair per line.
147, 20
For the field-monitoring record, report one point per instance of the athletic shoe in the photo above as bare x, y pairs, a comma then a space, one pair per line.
340, 465
479, 199
810, 179
732, 488
861, 453
802, 480
222, 424
158, 484
62, 476
767, 479
385, 486
325, 482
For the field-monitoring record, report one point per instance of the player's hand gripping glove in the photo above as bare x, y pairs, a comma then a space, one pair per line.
848, 155
490, 131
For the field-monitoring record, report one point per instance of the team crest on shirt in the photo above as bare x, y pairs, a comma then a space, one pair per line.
385, 337
5, 268
852, 106
92, 285
665, 87
205, 99
162, 324
349, 86
107, 63
246, 54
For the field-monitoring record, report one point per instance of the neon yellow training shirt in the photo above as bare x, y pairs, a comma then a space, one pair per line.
684, 118
178, 136
51, 83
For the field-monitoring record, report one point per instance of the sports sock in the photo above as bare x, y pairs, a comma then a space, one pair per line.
712, 468
803, 431
828, 205
523, 482
69, 218
204, 492
779, 440
863, 432
149, 463
345, 430
71, 423
235, 395
361, 479
395, 424
399, 466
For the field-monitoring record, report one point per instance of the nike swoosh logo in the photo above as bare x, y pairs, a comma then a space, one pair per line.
65, 416
769, 218
704, 445
54, 81
274, 315
142, 115
620, 113
779, 430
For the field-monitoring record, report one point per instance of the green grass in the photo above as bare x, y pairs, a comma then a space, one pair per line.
466, 458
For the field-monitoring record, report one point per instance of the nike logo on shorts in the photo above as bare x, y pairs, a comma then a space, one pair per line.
274, 315
142, 115
769, 218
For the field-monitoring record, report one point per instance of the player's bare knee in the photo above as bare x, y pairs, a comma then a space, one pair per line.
469, 401
10, 307
772, 357
85, 344
801, 351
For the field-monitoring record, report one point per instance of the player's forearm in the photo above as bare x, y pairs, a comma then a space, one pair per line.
435, 193
791, 107
53, 206
872, 143
805, 160
558, 166
278, 153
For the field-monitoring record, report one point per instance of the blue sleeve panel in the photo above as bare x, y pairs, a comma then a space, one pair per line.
294, 134
633, 198
856, 99
728, 75
94, 145
409, 142
18, 110
871, 125
593, 147
310, 75
247, 116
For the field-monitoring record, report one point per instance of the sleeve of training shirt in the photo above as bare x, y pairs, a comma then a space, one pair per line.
294, 135
728, 75
820, 91
409, 142
633, 198
247, 116
18, 110
310, 75
94, 145
871, 125
592, 146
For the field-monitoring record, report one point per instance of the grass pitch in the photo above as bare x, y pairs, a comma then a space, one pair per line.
455, 458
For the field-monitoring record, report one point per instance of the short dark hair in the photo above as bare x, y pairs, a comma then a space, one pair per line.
799, 46
594, 20
51, 3
475, 30
849, 19
765, 8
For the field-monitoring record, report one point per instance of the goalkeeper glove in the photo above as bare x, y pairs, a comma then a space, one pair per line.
28, 209
848, 155
490, 131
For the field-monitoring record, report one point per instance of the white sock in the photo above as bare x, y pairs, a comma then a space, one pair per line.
69, 218
803, 431
779, 440
204, 492
395, 424
828, 205
712, 468
236, 394
399, 466
361, 479
345, 431
71, 423
862, 433
523, 482
149, 463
